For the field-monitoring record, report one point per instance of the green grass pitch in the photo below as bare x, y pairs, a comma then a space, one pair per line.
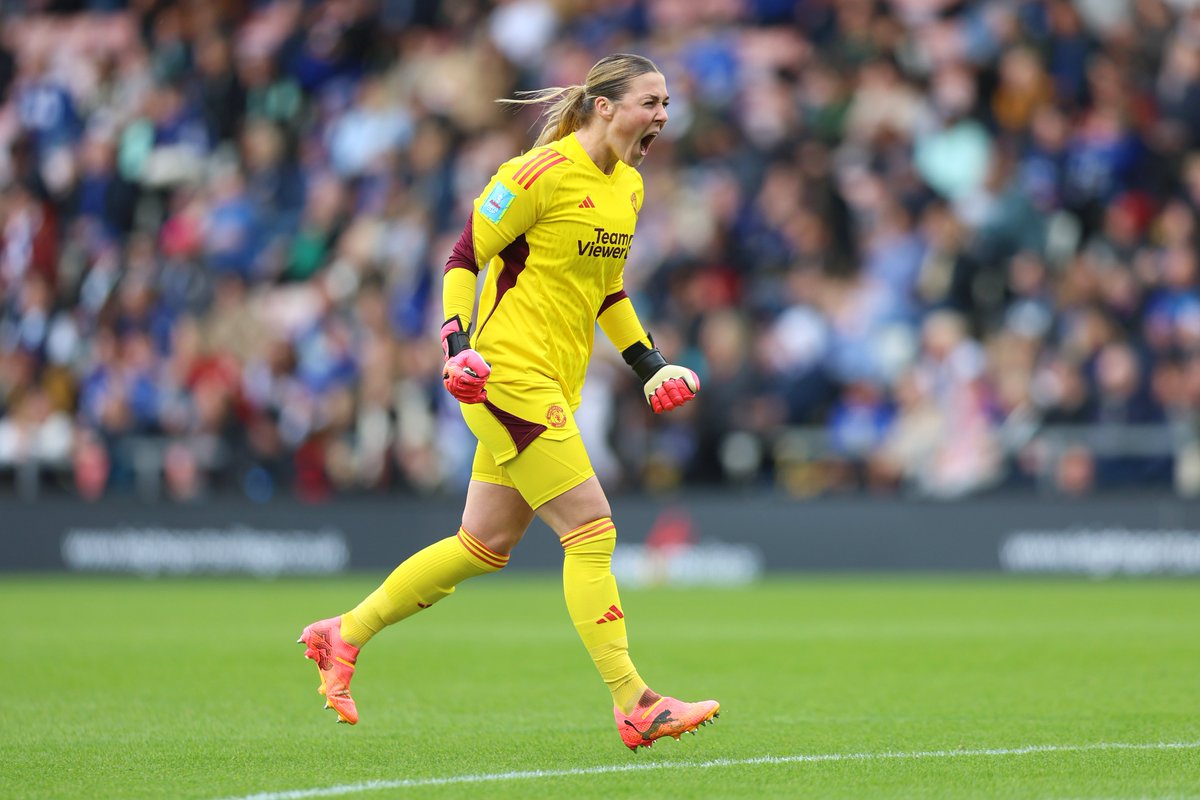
847, 687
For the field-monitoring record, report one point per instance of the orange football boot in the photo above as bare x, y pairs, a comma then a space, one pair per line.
664, 717
335, 661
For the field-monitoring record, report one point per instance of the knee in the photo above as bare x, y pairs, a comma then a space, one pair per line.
598, 537
498, 539
580, 507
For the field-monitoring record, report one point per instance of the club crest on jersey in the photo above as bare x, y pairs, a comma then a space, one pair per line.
556, 417
496, 203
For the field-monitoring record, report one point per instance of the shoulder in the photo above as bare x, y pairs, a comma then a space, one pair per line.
542, 166
527, 182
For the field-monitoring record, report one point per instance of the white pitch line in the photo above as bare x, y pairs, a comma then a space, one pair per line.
494, 777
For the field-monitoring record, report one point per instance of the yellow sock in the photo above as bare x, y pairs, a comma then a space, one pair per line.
591, 593
426, 577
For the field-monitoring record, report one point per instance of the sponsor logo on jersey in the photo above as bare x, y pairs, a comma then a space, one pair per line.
496, 203
633, 200
587, 202
605, 244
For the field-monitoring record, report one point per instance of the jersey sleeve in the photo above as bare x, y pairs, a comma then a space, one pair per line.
617, 316
460, 278
513, 201
619, 321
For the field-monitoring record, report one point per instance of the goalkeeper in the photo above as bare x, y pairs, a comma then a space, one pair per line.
553, 227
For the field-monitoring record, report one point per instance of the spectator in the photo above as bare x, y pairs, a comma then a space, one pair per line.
917, 238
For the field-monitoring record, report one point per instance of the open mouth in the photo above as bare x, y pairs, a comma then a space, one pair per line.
647, 140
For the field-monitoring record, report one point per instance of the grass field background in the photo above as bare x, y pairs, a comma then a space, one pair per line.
128, 688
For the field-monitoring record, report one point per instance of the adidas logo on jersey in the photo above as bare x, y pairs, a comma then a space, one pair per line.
587, 203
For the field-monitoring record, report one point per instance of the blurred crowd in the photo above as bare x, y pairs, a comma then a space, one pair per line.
925, 246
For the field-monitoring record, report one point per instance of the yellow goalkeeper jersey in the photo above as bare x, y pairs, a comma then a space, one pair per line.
554, 232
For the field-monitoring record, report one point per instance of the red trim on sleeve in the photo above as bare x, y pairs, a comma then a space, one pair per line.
554, 162
611, 301
529, 166
463, 253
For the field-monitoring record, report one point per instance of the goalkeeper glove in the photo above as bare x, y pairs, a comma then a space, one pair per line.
465, 372
666, 386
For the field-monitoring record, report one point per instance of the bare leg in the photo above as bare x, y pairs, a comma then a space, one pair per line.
574, 507
496, 515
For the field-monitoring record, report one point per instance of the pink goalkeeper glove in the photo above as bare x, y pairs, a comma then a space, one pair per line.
465, 375
465, 372
670, 387
666, 386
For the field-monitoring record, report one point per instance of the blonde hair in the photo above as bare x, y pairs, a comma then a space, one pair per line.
570, 107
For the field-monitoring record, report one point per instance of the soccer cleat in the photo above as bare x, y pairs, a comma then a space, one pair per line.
664, 717
335, 662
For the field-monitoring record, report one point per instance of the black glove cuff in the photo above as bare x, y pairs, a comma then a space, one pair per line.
645, 360
456, 341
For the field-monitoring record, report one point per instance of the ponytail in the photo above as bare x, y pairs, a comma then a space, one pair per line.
566, 113
570, 107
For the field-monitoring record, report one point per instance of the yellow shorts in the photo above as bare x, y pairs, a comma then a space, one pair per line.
540, 468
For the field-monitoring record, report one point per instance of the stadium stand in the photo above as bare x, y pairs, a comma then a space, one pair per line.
929, 247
